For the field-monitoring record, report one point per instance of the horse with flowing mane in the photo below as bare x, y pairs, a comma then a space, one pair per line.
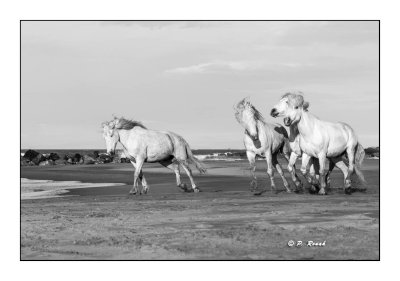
311, 175
265, 140
143, 145
322, 139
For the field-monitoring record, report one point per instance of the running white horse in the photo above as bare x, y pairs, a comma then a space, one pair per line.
143, 145
322, 139
312, 176
262, 139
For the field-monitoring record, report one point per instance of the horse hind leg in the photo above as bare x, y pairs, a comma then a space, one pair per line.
278, 167
189, 173
172, 165
309, 175
351, 155
292, 171
327, 176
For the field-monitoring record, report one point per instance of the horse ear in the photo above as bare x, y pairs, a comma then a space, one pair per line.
306, 104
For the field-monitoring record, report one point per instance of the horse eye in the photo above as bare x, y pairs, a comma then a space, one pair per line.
296, 107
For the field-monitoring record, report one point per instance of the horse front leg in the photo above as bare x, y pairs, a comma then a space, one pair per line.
138, 172
143, 181
278, 167
251, 156
270, 171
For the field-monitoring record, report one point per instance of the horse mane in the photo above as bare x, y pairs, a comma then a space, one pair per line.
246, 104
126, 124
297, 99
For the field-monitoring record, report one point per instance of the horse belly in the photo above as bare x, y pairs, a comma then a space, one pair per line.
337, 143
310, 148
336, 149
159, 150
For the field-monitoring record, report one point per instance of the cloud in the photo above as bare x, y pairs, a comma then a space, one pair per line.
230, 66
165, 24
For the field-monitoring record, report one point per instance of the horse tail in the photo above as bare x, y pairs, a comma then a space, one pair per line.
192, 159
359, 158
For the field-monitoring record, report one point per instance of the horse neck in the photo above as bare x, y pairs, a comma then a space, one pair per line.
123, 136
293, 132
306, 124
260, 127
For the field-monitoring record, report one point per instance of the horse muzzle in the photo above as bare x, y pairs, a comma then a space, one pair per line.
287, 121
274, 113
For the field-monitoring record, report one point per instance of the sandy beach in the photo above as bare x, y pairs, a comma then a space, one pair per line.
224, 221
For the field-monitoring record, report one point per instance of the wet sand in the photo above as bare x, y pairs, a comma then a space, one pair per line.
224, 221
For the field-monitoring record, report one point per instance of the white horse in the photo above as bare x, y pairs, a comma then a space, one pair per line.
322, 139
262, 139
312, 176
143, 145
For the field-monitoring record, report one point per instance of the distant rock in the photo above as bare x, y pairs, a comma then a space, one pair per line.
30, 154
46, 163
60, 162
124, 160
53, 156
88, 160
26, 162
77, 158
372, 152
104, 158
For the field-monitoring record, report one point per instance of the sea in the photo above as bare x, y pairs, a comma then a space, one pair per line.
225, 155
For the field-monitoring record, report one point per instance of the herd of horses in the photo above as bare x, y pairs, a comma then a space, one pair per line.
310, 138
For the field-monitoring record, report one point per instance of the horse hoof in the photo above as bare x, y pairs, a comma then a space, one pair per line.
253, 185
260, 192
322, 192
196, 190
348, 190
288, 191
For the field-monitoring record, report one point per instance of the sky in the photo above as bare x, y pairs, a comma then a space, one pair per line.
185, 77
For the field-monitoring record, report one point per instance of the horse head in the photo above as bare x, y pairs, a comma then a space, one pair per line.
110, 134
248, 116
290, 107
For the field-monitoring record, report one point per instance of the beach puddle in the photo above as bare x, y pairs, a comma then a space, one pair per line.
41, 189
